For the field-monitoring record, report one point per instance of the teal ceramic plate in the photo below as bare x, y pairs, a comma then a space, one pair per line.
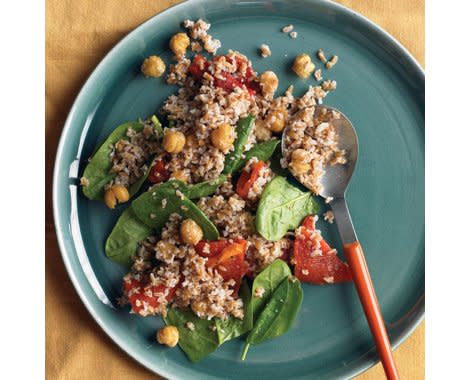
380, 88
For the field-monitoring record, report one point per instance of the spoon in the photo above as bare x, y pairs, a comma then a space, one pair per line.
335, 182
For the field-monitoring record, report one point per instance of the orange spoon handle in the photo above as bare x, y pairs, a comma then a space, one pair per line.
365, 289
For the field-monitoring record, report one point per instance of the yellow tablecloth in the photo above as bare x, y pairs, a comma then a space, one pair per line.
78, 35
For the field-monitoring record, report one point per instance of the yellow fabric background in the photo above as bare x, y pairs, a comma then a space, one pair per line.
78, 35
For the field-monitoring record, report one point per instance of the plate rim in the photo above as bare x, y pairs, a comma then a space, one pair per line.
363, 364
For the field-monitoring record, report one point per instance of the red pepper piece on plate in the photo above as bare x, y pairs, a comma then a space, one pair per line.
158, 172
313, 267
142, 297
211, 248
230, 261
247, 179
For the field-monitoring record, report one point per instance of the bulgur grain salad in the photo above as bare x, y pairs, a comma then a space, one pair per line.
221, 238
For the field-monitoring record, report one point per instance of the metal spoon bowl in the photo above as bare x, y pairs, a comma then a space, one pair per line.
335, 183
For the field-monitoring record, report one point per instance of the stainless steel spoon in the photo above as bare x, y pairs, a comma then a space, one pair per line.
335, 183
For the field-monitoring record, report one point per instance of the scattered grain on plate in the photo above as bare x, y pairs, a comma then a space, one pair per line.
293, 34
305, 272
84, 181
328, 199
328, 85
265, 51
196, 47
288, 28
259, 292
329, 216
329, 280
321, 56
164, 202
153, 216
333, 60
317, 75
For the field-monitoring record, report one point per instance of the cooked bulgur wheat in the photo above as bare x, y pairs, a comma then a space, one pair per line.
130, 157
312, 143
197, 109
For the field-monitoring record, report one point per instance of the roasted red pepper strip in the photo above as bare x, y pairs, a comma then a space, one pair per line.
158, 172
140, 296
211, 248
230, 81
228, 258
198, 66
247, 179
326, 268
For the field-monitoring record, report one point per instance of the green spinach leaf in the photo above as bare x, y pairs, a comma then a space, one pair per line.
282, 208
157, 125
234, 327
130, 228
203, 189
196, 343
155, 206
262, 151
244, 128
279, 314
126, 234
268, 280
97, 171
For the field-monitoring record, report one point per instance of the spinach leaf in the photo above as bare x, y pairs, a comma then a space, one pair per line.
244, 128
126, 234
97, 171
268, 280
155, 206
279, 314
234, 327
196, 343
203, 189
157, 125
282, 208
263, 151
193, 191
130, 229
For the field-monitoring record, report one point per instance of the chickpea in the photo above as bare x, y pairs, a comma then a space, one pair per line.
179, 43
180, 175
153, 66
299, 161
121, 193
276, 120
110, 199
299, 155
269, 82
223, 137
115, 194
299, 167
303, 65
168, 336
190, 232
173, 141
262, 132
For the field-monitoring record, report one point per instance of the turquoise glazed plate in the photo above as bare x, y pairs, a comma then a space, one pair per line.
380, 88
